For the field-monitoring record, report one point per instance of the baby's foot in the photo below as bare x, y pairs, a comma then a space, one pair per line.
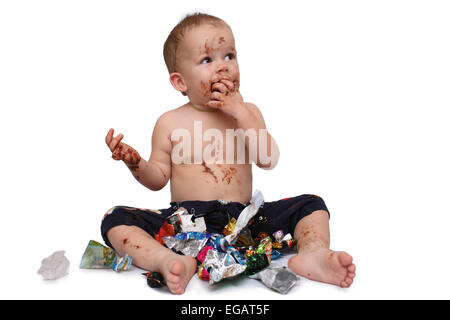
177, 271
325, 265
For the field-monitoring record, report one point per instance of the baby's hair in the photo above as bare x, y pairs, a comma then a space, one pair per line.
176, 35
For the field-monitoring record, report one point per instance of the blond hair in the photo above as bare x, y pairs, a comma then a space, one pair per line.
176, 35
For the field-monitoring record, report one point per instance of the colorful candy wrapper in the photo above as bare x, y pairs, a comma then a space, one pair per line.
202, 273
256, 262
265, 246
98, 256
189, 243
278, 236
275, 254
122, 263
175, 219
229, 228
248, 213
166, 230
220, 243
244, 239
221, 265
277, 278
182, 221
284, 245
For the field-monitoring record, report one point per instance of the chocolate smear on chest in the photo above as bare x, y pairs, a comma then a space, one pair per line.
208, 170
228, 174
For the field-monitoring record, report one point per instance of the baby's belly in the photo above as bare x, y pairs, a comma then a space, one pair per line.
211, 182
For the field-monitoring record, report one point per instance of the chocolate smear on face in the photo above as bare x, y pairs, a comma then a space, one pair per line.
206, 89
207, 48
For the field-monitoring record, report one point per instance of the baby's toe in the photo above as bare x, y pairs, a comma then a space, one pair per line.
351, 268
345, 259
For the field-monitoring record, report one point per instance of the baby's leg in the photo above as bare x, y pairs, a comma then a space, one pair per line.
315, 260
149, 254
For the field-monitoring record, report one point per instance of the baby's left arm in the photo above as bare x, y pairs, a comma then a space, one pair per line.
250, 117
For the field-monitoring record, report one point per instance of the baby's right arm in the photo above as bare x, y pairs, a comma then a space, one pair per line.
154, 173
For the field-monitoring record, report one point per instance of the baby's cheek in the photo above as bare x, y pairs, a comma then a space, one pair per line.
206, 89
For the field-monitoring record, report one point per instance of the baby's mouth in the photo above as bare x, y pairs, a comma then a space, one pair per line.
219, 80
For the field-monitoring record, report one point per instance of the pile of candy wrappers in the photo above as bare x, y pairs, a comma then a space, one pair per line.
243, 248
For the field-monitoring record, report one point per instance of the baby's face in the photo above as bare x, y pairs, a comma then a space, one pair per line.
207, 55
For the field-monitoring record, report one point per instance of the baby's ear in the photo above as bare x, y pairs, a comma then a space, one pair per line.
177, 81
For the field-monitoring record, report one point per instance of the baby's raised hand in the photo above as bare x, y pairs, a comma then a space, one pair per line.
225, 96
122, 151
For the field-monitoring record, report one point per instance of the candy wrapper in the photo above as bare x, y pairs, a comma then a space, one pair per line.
189, 243
249, 212
97, 256
277, 278
256, 263
221, 265
285, 243
175, 219
54, 266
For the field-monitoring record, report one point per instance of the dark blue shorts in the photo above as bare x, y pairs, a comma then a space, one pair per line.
277, 215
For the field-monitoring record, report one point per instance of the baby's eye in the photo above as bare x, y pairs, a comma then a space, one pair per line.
229, 56
206, 60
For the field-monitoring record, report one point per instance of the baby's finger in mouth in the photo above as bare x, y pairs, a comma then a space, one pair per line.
229, 85
219, 87
217, 96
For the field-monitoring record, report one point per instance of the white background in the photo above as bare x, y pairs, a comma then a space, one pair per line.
356, 94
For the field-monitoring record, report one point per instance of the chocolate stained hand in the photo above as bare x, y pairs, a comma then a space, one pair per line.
225, 96
122, 151
127, 154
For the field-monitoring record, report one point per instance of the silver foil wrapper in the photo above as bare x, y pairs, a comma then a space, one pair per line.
277, 278
188, 247
221, 265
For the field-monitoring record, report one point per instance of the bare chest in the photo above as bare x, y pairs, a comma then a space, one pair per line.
209, 142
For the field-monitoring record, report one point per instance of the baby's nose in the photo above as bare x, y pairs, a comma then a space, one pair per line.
222, 68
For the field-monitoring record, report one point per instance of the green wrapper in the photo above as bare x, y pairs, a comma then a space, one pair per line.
97, 256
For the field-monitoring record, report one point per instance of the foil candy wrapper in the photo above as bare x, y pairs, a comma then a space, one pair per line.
256, 262
202, 273
201, 256
221, 265
175, 219
277, 278
278, 236
229, 228
265, 246
98, 256
248, 213
220, 243
189, 243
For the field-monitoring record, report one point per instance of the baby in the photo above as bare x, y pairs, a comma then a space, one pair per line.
206, 149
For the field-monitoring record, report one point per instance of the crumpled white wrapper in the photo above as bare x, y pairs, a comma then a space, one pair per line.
244, 217
54, 266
